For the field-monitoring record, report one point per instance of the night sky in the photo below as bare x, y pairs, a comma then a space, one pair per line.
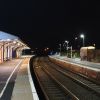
46, 23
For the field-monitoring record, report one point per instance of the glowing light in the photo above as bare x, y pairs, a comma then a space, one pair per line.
45, 49
91, 47
67, 41
94, 44
18, 44
8, 39
82, 36
76, 38
14, 42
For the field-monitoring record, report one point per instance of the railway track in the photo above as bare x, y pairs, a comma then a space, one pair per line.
51, 76
53, 89
89, 83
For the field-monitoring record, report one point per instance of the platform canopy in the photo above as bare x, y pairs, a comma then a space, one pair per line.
7, 36
9, 39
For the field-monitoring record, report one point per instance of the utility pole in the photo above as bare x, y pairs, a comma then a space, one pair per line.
60, 49
71, 51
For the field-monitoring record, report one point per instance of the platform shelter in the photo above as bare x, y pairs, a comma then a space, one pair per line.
10, 46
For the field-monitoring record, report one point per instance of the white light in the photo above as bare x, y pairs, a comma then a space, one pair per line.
94, 44
75, 38
8, 39
67, 41
82, 36
14, 42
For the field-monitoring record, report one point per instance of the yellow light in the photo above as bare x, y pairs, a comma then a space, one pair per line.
91, 47
18, 44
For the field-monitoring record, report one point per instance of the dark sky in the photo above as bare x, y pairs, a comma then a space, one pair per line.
46, 23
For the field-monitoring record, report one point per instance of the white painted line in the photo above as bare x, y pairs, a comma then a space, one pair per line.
34, 93
2, 92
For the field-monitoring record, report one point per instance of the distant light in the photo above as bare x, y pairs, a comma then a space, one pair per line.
76, 38
82, 35
45, 49
18, 44
8, 39
32, 51
94, 44
67, 41
91, 47
14, 42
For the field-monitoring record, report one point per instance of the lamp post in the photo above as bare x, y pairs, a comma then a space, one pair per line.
60, 49
76, 42
67, 44
67, 47
71, 51
82, 36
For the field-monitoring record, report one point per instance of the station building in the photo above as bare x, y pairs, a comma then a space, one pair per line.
10, 47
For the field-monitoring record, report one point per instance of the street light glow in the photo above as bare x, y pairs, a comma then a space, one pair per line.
67, 41
82, 35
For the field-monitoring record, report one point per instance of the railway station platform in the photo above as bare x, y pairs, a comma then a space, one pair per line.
92, 65
89, 69
15, 80
24, 88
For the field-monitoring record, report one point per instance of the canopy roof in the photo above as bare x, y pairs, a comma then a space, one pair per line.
5, 36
